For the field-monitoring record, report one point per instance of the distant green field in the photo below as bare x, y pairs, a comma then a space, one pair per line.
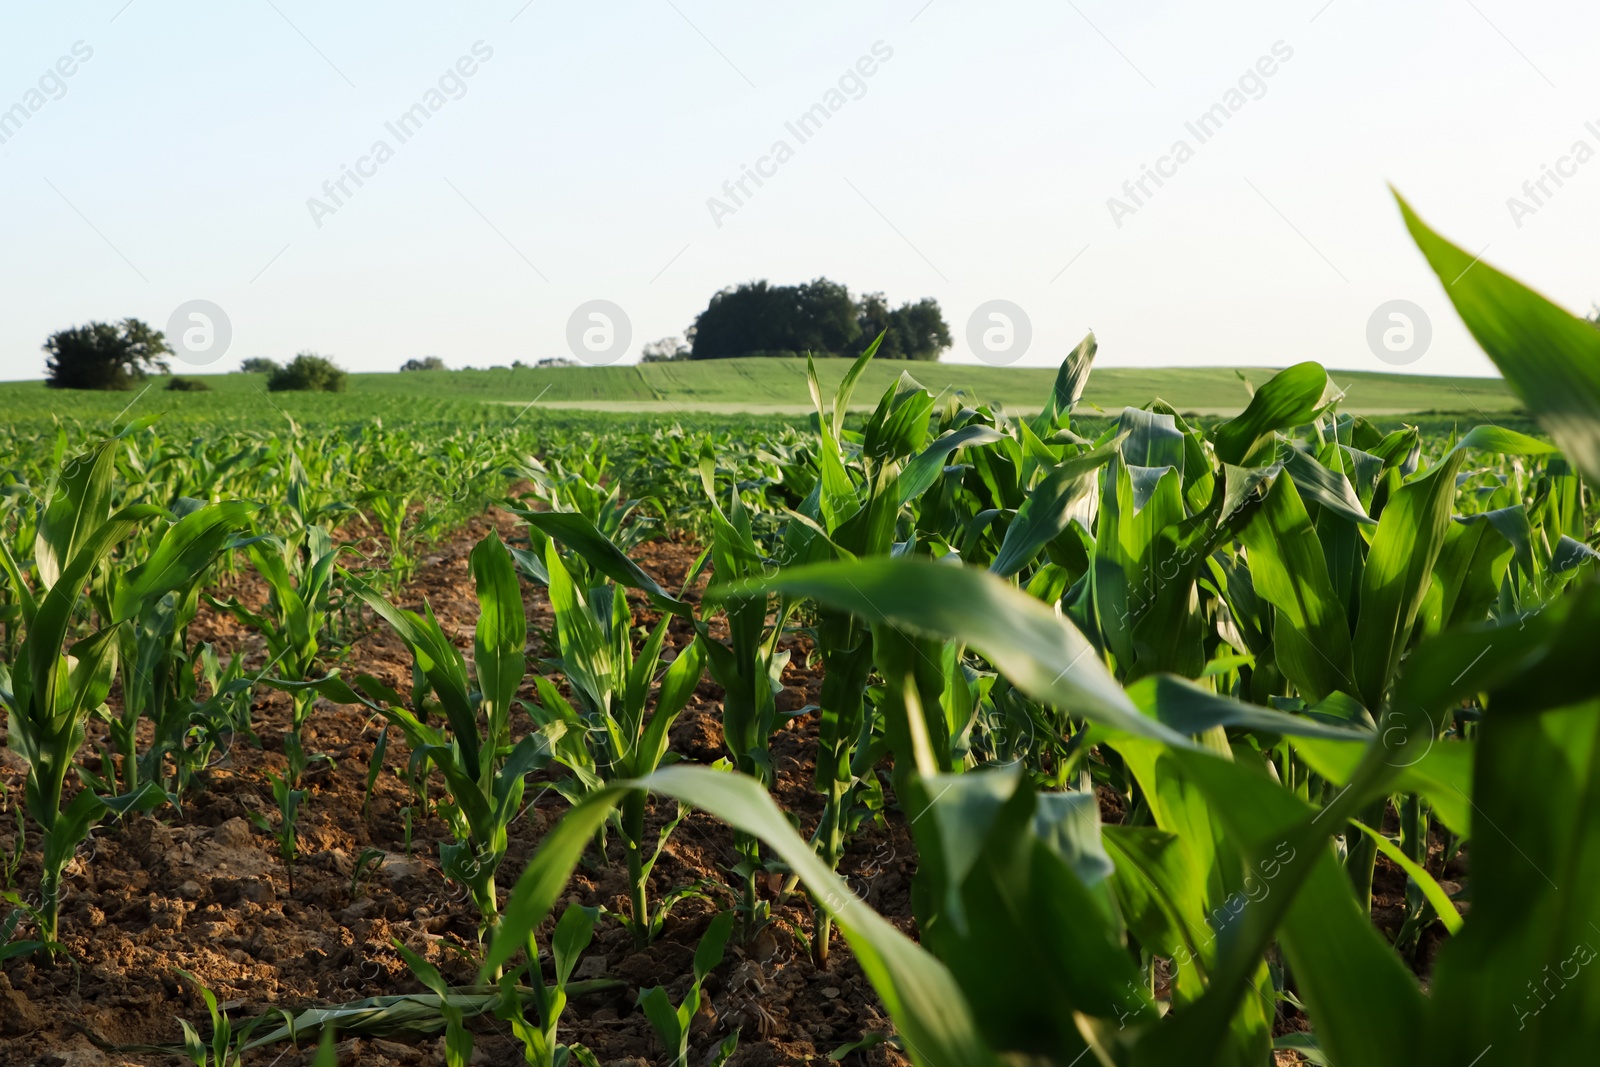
780, 384
762, 386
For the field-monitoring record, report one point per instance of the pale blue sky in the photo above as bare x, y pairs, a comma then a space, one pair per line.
975, 164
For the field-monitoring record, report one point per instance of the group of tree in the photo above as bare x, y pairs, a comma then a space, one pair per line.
819, 318
425, 363
121, 355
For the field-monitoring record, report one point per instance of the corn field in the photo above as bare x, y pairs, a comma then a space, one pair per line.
1258, 740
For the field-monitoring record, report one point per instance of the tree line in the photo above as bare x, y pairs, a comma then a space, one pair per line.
819, 318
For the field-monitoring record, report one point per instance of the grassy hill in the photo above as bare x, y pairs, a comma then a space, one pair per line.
778, 386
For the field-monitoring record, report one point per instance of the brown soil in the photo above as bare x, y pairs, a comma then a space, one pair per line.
204, 890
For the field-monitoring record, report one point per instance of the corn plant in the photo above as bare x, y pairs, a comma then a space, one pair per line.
157, 673
219, 718
747, 666
390, 510
483, 770
51, 692
573, 932
300, 581
225, 1048
672, 1024
606, 734
288, 800
457, 1039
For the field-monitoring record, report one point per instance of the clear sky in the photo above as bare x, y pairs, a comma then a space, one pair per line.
186, 158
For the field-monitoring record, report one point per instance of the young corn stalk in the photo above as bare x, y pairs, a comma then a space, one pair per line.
573, 932
747, 666
607, 738
483, 771
390, 511
51, 691
846, 518
672, 1024
158, 677
300, 581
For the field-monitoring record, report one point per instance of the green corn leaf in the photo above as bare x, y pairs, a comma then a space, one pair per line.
847, 385
1365, 1001
1441, 902
1041, 653
1440, 771
919, 475
546, 874
579, 534
677, 688
574, 931
917, 990
709, 952
1071, 379
1550, 357
1398, 569
669, 1026
50, 622
1047, 510
502, 633
77, 502
1505, 442
1324, 487
185, 550
1190, 709
1290, 398
93, 671
1290, 571
439, 661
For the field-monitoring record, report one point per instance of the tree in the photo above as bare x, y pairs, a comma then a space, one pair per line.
922, 331
258, 365
425, 363
186, 385
750, 319
309, 373
666, 350
825, 318
877, 318
103, 356
819, 317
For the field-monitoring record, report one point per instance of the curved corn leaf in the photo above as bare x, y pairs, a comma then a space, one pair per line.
918, 991
1292, 397
1040, 652
1548, 355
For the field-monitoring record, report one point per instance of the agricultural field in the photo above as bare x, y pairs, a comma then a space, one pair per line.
925, 727
779, 387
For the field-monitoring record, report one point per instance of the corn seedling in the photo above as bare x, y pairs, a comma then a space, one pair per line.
288, 800
483, 771
573, 932
226, 1047
672, 1024
300, 581
606, 734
